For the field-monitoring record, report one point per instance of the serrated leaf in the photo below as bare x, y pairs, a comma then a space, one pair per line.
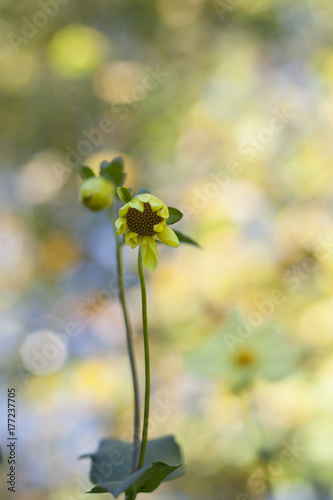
85, 172
113, 460
175, 215
144, 480
142, 191
124, 194
183, 238
114, 171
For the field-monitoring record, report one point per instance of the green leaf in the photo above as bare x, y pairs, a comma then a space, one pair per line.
113, 460
114, 171
143, 191
175, 215
186, 239
124, 194
144, 480
85, 172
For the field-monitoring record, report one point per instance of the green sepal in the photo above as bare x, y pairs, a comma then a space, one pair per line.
124, 194
114, 171
85, 172
183, 238
142, 191
175, 215
144, 480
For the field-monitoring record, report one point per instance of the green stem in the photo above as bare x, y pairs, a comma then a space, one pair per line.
147, 363
130, 344
251, 421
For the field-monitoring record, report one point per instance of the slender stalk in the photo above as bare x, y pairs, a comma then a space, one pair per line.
147, 363
257, 436
130, 346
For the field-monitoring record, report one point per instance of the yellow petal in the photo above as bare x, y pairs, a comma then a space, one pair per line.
168, 237
123, 210
149, 252
132, 239
159, 227
121, 225
163, 212
136, 203
145, 198
156, 204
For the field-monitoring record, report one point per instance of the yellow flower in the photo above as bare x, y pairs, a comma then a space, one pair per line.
97, 193
143, 220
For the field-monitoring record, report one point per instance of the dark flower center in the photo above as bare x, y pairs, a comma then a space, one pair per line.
245, 358
143, 223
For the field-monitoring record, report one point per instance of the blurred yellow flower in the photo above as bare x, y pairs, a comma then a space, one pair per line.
77, 50
97, 193
142, 220
58, 253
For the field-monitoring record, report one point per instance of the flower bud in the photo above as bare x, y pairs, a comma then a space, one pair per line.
97, 193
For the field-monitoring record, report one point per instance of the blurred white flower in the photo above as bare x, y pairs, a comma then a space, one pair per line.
43, 352
239, 355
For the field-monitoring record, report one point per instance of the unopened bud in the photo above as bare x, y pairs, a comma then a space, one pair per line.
97, 193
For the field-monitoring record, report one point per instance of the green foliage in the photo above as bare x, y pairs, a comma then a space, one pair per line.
143, 191
144, 480
175, 216
124, 194
85, 172
114, 171
113, 462
183, 238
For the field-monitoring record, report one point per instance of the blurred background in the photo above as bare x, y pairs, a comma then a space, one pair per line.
224, 109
